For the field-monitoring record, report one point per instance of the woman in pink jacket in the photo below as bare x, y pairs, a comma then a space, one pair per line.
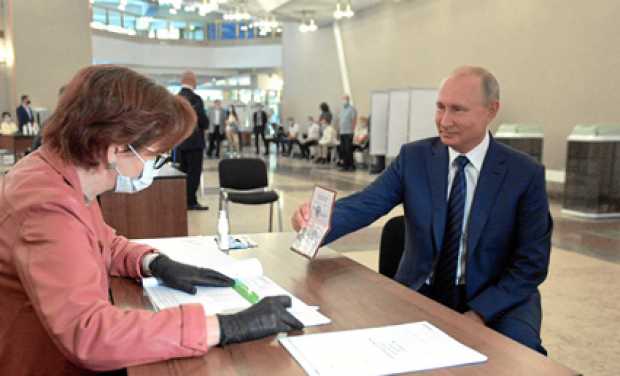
56, 252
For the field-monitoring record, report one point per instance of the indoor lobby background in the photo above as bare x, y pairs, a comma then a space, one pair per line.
557, 62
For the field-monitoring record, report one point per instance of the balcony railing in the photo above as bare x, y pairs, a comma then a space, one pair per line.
134, 25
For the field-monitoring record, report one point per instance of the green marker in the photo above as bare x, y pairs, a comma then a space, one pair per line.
245, 292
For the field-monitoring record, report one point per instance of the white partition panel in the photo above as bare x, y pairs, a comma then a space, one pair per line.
422, 114
379, 106
398, 121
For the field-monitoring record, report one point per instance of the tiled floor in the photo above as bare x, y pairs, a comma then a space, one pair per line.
581, 326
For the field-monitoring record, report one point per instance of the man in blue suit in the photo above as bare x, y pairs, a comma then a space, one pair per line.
478, 229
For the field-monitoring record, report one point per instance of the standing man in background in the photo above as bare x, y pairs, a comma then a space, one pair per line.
191, 150
217, 118
259, 121
348, 118
24, 113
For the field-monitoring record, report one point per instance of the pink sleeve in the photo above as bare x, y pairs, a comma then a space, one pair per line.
125, 256
63, 272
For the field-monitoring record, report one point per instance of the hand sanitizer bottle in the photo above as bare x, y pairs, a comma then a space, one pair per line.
222, 231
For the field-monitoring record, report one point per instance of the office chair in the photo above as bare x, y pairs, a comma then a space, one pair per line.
244, 181
392, 246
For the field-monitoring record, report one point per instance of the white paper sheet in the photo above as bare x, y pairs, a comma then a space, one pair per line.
379, 351
203, 251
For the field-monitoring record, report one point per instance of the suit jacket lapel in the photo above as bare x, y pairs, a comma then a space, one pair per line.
487, 188
437, 168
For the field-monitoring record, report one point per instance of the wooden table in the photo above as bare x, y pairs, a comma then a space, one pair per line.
354, 297
158, 211
17, 143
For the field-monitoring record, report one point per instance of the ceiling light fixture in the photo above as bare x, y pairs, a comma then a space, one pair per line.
308, 25
266, 25
239, 14
345, 11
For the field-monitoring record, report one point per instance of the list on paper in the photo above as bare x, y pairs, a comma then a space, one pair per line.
379, 351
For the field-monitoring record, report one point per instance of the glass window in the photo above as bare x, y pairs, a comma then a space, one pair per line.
174, 89
197, 31
245, 96
129, 21
244, 30
259, 96
209, 95
114, 18
229, 31
231, 95
244, 80
99, 15
232, 81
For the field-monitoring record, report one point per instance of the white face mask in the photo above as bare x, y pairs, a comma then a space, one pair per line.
126, 184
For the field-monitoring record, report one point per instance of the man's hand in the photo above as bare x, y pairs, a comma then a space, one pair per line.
474, 316
267, 317
186, 277
301, 217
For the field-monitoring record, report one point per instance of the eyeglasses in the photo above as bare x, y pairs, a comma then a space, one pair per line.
160, 159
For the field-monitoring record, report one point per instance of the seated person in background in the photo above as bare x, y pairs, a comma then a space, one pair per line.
277, 136
360, 135
328, 140
8, 126
478, 228
232, 130
57, 254
292, 136
314, 133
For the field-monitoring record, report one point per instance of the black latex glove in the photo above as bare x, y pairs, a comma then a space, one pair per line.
267, 317
186, 277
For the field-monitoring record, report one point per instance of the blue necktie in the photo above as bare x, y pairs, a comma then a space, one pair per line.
444, 284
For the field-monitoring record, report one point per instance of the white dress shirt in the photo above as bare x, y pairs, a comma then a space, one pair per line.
472, 172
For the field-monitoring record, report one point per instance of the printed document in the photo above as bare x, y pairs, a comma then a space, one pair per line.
379, 351
203, 252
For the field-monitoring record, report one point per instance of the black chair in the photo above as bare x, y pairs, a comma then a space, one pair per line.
244, 181
392, 246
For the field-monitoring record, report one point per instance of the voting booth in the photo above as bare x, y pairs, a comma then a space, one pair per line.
592, 186
400, 116
527, 138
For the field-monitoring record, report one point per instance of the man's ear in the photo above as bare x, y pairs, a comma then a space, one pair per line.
493, 109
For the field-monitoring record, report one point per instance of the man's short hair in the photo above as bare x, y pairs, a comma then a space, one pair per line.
24, 97
189, 78
490, 86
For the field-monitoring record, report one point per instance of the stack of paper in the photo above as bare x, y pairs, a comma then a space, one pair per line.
203, 251
379, 351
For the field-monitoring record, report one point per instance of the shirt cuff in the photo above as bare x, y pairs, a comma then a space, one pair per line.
146, 262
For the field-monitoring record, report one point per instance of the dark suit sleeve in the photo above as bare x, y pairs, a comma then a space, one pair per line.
361, 209
530, 262
203, 121
22, 117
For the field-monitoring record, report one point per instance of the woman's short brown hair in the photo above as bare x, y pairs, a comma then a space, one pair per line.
107, 104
